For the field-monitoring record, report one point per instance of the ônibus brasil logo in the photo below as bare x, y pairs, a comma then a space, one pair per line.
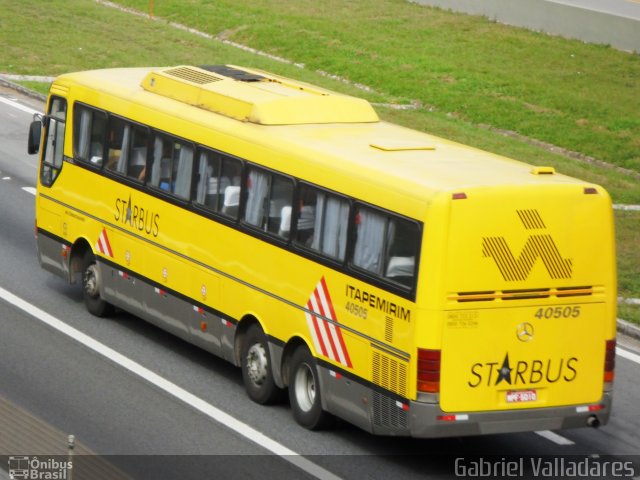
34, 468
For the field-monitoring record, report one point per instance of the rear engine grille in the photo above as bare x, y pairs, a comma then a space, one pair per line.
389, 373
509, 295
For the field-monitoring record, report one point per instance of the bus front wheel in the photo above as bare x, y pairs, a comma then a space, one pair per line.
256, 368
304, 392
91, 283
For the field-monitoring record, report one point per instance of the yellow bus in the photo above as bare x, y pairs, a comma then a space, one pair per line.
405, 283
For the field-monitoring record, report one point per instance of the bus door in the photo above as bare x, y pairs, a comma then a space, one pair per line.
50, 251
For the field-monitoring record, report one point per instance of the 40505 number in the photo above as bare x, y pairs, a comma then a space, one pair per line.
357, 310
559, 312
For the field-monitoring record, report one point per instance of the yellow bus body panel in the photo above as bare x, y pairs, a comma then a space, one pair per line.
505, 249
546, 253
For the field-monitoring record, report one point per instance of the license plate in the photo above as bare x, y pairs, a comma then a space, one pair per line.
518, 396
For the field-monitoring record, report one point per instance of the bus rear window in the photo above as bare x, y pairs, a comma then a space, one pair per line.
386, 246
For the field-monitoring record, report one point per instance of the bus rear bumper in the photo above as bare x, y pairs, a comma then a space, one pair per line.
428, 421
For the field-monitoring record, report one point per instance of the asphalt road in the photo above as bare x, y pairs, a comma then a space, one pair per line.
159, 408
607, 22
622, 8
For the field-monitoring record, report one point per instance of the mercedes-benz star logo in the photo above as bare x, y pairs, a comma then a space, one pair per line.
524, 332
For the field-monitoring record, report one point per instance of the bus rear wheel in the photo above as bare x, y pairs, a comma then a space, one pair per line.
304, 392
257, 373
91, 284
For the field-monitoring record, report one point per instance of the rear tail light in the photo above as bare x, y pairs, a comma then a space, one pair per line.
428, 371
610, 361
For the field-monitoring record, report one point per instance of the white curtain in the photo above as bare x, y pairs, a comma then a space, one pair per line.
124, 153
183, 172
85, 135
157, 162
203, 178
369, 250
258, 189
330, 228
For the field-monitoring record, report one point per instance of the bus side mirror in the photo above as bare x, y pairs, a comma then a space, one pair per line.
35, 132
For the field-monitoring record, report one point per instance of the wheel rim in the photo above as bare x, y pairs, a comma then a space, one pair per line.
257, 364
305, 387
91, 281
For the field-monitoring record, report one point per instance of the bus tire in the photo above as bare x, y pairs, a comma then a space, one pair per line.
304, 392
257, 373
91, 283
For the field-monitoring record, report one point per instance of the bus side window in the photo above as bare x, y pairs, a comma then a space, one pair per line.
118, 133
371, 227
323, 219
172, 166
229, 195
280, 199
267, 196
218, 185
182, 168
89, 134
208, 187
161, 168
386, 246
137, 164
403, 246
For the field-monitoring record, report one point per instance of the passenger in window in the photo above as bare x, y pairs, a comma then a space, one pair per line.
306, 220
138, 154
165, 174
119, 134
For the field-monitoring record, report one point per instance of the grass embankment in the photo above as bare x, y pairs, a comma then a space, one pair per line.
468, 76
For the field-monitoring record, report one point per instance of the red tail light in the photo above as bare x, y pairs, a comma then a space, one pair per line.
428, 370
610, 360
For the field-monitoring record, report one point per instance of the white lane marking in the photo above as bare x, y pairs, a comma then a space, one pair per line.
19, 106
554, 437
6, 178
172, 389
634, 357
30, 190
